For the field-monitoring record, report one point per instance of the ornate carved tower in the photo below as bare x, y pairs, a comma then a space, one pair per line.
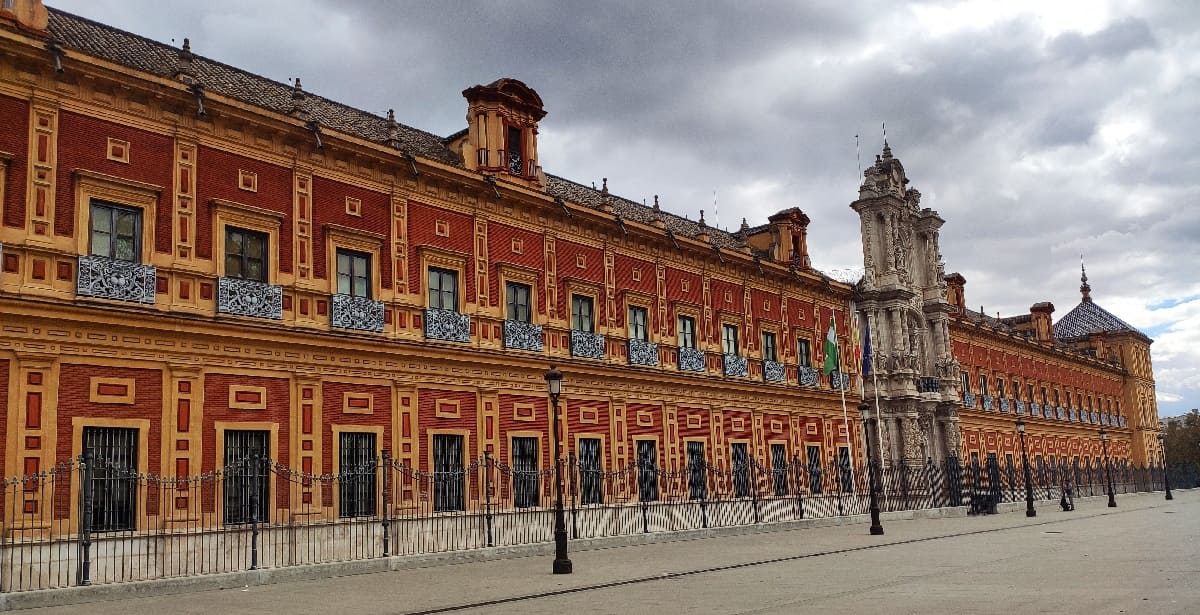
902, 297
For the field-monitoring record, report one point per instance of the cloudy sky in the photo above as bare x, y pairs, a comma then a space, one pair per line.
1040, 130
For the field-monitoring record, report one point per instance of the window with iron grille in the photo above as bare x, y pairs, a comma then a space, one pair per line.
1057, 399
637, 323
1044, 399
844, 467
245, 254
697, 471
247, 484
1031, 395
983, 385
581, 314
526, 479
114, 455
966, 382
590, 491
647, 457
729, 339
768, 347
779, 468
740, 456
1068, 404
515, 151
815, 484
447, 473
443, 289
804, 353
1000, 389
687, 332
353, 273
516, 299
116, 232
356, 474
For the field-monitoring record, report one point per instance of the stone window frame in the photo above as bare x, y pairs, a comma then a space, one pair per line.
520, 275
272, 429
631, 299
693, 311
239, 215
355, 240
727, 321
336, 431
5, 160
91, 186
78, 423
582, 288
774, 328
444, 259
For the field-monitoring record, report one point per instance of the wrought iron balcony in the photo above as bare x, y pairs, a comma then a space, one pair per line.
1034, 409
839, 381
642, 353
1020, 407
1121, 421
249, 298
773, 371
1071, 415
734, 365
808, 376
361, 313
447, 325
988, 403
522, 335
587, 345
1058, 412
691, 359
969, 399
1005, 405
108, 278
929, 384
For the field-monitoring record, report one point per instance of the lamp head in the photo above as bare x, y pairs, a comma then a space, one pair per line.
554, 382
1020, 426
1103, 435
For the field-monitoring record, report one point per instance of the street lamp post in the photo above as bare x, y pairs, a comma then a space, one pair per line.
1162, 448
562, 564
872, 479
1112, 501
1029, 511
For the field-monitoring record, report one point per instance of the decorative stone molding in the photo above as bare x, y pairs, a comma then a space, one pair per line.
447, 325
734, 365
108, 278
249, 298
773, 371
691, 360
587, 345
808, 376
643, 353
361, 313
520, 335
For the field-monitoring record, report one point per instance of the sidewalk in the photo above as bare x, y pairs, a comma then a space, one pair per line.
1141, 556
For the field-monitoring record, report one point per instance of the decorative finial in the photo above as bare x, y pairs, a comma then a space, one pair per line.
183, 66
702, 223
745, 227
393, 129
887, 150
1085, 289
186, 52
604, 185
656, 203
391, 115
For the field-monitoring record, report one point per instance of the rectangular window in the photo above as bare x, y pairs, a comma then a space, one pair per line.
779, 468
353, 273
740, 458
769, 352
525, 472
1068, 399
581, 314
447, 473
697, 471
245, 254
844, 467
1057, 399
443, 289
687, 332
637, 323
1044, 400
966, 382
1031, 395
1000, 389
516, 299
114, 454
356, 473
590, 469
247, 454
1016, 389
647, 459
729, 339
983, 384
804, 353
116, 232
515, 161
815, 484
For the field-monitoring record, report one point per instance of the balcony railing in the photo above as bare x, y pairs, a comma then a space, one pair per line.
642, 353
808, 376
969, 399
249, 298
929, 384
520, 335
734, 365
839, 381
1005, 405
1034, 409
773, 371
587, 345
360, 313
989, 402
691, 359
1059, 413
447, 325
1020, 407
108, 278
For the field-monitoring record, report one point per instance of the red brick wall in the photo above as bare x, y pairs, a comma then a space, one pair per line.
14, 139
736, 305
381, 416
532, 256
601, 427
541, 424
329, 207
592, 271
427, 419
74, 393
422, 231
83, 144
217, 177
278, 410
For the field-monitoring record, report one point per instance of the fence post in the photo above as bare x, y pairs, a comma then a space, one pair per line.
85, 518
387, 501
754, 487
487, 495
255, 506
841, 487
703, 495
799, 474
573, 476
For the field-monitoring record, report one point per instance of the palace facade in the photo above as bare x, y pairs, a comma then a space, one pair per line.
200, 265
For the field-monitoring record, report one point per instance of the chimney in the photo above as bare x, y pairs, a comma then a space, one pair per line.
954, 291
1043, 327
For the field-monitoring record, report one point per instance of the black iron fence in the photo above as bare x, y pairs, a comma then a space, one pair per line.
92, 520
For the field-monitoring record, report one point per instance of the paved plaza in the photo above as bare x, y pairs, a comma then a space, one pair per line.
1141, 557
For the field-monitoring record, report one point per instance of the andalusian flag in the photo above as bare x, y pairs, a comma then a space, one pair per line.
831, 349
